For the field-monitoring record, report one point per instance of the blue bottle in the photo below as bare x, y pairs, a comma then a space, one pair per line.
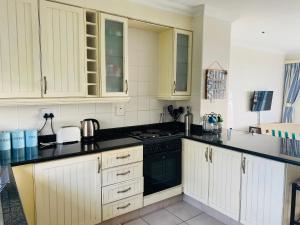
31, 139
18, 139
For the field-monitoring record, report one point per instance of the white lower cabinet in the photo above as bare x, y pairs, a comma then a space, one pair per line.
225, 181
263, 183
212, 176
123, 206
195, 170
67, 191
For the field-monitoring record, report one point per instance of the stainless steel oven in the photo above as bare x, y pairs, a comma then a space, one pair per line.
162, 165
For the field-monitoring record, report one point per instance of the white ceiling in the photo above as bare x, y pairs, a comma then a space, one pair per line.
280, 19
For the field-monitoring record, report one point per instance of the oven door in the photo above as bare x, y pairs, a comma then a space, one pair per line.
162, 171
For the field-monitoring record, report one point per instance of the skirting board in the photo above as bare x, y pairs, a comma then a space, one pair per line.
162, 195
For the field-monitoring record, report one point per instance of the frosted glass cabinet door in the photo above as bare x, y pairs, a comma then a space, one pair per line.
114, 80
182, 79
20, 74
63, 50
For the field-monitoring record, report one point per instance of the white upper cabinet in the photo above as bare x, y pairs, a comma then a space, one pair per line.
195, 170
114, 56
63, 50
175, 68
263, 183
225, 181
20, 75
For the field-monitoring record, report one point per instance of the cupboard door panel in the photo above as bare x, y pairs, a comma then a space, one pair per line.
195, 170
182, 62
63, 53
66, 192
225, 181
20, 72
114, 55
262, 191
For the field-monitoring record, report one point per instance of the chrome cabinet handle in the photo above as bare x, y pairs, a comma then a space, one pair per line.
244, 165
206, 154
45, 85
126, 83
122, 174
174, 87
210, 155
124, 207
123, 157
99, 165
124, 191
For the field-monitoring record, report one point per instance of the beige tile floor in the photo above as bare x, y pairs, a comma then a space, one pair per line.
180, 213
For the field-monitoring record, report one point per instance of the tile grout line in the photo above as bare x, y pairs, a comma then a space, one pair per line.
182, 219
144, 220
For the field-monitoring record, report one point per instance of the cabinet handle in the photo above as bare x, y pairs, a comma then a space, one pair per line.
244, 165
210, 155
122, 174
99, 165
206, 154
124, 207
126, 84
124, 191
174, 87
123, 157
45, 85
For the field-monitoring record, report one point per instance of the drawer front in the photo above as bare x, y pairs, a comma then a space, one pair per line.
122, 157
122, 190
123, 206
122, 173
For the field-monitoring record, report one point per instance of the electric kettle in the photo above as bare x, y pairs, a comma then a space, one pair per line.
88, 128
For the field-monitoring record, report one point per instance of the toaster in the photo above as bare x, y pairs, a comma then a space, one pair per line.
68, 134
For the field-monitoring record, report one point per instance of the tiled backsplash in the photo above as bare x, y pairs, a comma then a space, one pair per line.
143, 108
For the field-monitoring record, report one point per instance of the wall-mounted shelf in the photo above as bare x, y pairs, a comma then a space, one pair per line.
92, 72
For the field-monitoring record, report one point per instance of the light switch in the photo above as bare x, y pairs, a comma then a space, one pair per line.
120, 110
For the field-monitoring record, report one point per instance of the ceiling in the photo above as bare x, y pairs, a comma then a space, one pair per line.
279, 19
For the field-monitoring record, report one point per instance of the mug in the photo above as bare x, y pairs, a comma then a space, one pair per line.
18, 140
5, 143
31, 139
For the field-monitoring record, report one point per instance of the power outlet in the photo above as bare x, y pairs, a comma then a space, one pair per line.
43, 111
120, 110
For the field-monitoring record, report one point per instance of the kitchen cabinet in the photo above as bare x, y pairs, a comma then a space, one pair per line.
225, 181
175, 69
63, 50
263, 183
68, 191
195, 170
20, 73
212, 176
114, 56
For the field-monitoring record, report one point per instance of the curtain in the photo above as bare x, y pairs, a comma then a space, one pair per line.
291, 91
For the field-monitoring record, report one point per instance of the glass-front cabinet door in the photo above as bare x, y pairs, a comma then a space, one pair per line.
114, 59
183, 65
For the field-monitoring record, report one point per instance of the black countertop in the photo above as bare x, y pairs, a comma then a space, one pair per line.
282, 150
279, 149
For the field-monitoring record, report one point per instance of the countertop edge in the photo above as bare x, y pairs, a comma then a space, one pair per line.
278, 159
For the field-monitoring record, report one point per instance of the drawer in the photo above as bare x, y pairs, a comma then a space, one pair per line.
121, 207
122, 157
122, 190
122, 173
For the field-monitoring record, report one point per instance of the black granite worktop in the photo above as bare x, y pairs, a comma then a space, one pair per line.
278, 149
282, 150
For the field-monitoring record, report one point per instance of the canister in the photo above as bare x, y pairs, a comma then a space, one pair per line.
5, 143
31, 139
18, 140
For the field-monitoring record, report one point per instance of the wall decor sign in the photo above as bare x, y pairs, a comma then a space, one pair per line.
215, 85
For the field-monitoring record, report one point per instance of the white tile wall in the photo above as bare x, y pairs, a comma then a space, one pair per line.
143, 108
